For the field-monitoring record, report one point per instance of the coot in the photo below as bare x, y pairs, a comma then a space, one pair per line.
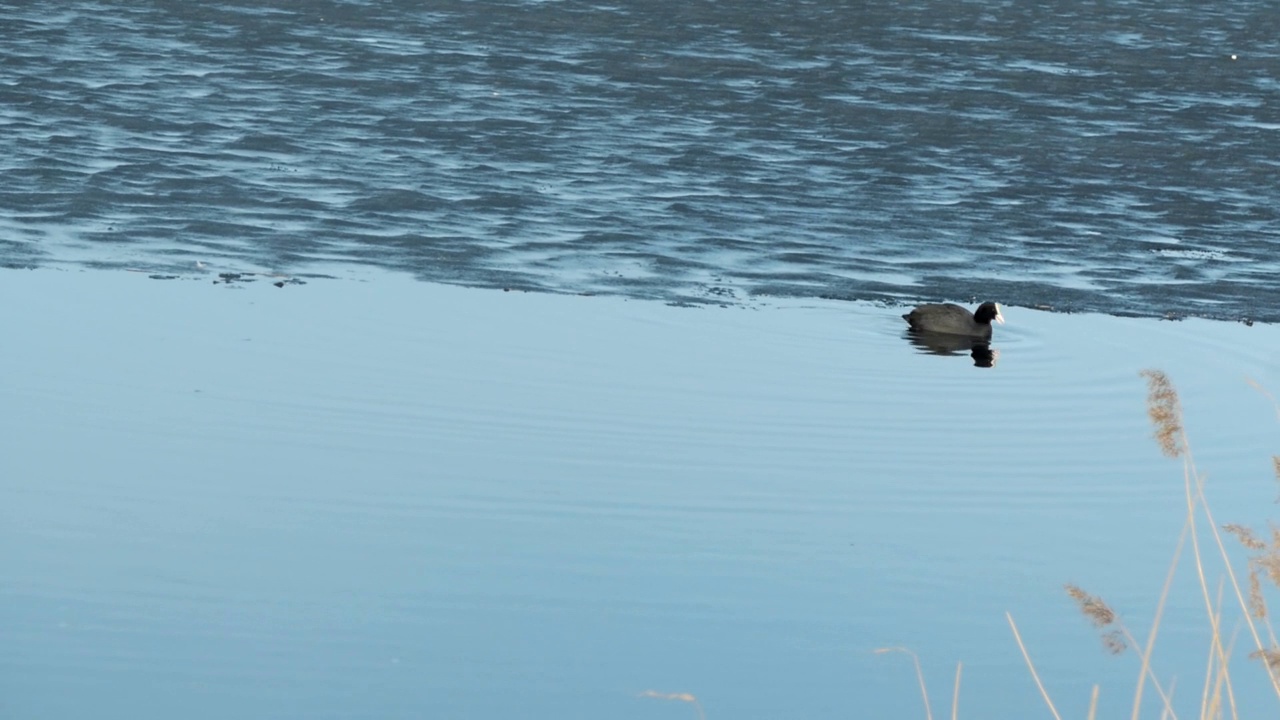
954, 320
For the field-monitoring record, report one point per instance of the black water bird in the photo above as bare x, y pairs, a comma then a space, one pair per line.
949, 319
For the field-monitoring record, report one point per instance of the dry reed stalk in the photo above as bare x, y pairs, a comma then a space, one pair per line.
1093, 703
1205, 693
1155, 626
1031, 666
1216, 672
955, 697
1167, 712
924, 690
1220, 657
1225, 675
678, 697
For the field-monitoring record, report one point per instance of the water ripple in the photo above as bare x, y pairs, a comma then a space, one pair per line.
1117, 159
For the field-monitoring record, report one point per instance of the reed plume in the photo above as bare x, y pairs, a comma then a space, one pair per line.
1271, 657
1246, 536
1265, 562
1165, 411
1093, 607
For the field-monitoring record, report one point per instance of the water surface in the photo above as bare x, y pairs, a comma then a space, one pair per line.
1117, 158
396, 499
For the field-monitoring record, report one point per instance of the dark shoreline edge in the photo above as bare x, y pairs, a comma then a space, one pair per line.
723, 295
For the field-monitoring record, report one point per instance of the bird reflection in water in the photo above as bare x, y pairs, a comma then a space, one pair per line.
936, 343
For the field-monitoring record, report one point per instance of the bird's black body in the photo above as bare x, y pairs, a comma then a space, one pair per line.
949, 319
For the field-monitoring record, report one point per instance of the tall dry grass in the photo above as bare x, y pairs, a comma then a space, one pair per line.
1245, 592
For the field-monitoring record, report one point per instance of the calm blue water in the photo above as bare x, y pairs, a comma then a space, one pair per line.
399, 499
1120, 157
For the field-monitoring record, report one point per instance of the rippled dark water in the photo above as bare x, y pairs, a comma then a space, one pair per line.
1116, 157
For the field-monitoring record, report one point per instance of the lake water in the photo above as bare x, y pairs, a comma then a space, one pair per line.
273, 473
396, 499
1119, 158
